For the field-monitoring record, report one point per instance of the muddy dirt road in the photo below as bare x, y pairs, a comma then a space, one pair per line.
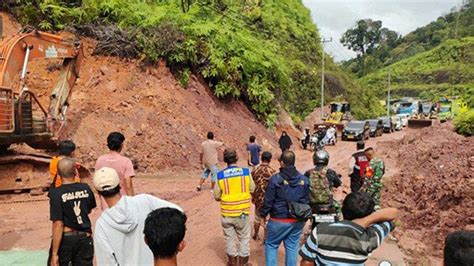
25, 226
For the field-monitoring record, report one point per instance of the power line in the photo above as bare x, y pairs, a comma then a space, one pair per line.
344, 50
337, 51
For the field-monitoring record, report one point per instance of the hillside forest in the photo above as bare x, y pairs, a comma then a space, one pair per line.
268, 53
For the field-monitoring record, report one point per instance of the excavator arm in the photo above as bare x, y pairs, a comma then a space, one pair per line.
22, 118
15, 55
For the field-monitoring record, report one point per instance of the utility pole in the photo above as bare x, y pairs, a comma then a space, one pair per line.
388, 94
457, 22
323, 41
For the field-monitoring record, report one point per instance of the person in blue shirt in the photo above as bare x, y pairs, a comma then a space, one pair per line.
253, 152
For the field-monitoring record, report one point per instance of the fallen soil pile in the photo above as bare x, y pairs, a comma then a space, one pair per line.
434, 188
164, 123
285, 123
313, 118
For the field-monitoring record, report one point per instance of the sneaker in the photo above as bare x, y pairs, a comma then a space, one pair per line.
198, 188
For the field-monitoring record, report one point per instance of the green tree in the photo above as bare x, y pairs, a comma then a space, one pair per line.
367, 38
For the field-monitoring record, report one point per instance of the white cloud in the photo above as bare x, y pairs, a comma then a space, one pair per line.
334, 17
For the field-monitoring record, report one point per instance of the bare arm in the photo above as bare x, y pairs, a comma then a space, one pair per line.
252, 185
386, 214
351, 165
217, 192
129, 184
58, 228
200, 158
306, 263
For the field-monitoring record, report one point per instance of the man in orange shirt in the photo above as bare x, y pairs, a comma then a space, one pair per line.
66, 149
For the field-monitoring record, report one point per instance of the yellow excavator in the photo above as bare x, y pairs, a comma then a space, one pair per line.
340, 113
425, 115
22, 117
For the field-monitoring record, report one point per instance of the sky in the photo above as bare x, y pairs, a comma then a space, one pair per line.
334, 17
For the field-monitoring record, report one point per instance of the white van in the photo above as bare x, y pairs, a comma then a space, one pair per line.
404, 118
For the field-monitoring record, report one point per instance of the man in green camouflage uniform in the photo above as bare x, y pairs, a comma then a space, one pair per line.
373, 176
322, 179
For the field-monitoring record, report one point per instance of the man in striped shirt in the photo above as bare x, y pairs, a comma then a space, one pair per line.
352, 240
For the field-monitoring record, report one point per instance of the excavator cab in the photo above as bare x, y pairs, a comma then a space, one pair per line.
341, 107
340, 113
22, 119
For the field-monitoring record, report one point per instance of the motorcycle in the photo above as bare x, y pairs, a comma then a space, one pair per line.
324, 213
317, 140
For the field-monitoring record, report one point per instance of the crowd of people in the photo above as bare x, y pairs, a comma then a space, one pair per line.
145, 230
131, 230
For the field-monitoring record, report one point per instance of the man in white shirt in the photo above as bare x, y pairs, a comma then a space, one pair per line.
118, 235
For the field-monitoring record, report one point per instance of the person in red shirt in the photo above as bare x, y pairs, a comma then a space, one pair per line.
357, 165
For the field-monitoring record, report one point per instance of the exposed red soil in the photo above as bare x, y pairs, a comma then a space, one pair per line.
434, 188
163, 123
313, 118
285, 123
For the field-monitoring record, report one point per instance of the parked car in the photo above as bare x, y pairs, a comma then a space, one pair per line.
404, 118
387, 124
356, 130
376, 127
397, 122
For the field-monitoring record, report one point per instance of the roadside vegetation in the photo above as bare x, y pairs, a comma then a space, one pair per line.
266, 53
381, 47
431, 62
464, 121
443, 71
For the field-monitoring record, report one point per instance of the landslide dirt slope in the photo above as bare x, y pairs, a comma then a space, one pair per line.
434, 188
163, 123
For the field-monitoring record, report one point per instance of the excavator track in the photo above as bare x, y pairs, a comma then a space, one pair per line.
24, 201
28, 173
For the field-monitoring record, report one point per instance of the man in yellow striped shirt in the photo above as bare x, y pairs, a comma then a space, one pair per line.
234, 185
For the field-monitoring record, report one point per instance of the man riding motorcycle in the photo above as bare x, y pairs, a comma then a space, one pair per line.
330, 137
317, 137
322, 179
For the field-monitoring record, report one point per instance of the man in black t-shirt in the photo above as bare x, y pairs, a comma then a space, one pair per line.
70, 205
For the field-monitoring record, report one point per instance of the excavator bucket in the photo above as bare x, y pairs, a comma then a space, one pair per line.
419, 123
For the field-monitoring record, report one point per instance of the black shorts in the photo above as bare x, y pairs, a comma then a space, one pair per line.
75, 250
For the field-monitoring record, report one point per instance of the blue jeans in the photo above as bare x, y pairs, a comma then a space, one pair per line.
290, 234
212, 172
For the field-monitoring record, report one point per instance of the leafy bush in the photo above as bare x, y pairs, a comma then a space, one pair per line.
464, 122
